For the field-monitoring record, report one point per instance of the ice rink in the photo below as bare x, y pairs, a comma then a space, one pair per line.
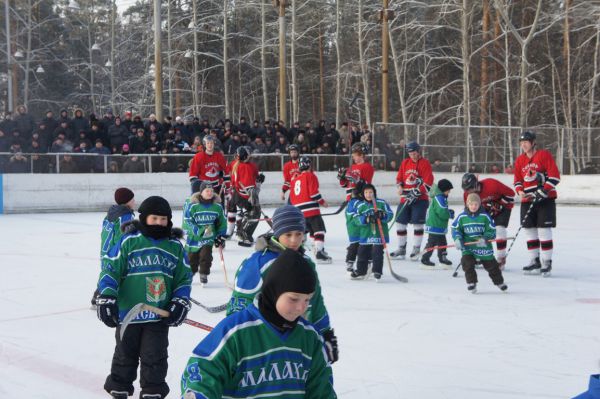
428, 339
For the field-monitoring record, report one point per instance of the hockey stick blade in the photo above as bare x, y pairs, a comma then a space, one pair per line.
211, 309
341, 208
424, 251
132, 314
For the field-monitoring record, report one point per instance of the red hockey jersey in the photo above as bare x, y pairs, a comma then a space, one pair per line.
243, 176
290, 169
358, 171
409, 172
526, 170
208, 167
493, 194
304, 193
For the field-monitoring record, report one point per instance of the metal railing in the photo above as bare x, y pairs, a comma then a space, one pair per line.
152, 163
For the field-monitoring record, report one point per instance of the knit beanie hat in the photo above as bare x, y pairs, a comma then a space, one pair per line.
369, 186
290, 272
473, 198
203, 185
288, 218
445, 185
155, 205
123, 195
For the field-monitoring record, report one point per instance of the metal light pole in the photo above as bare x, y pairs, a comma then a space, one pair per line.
157, 64
8, 55
384, 62
282, 59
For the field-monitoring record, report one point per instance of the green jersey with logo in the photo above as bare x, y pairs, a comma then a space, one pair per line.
203, 222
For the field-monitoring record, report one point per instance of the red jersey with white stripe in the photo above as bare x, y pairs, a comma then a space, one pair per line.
207, 167
358, 171
304, 193
409, 172
493, 193
243, 176
526, 170
290, 169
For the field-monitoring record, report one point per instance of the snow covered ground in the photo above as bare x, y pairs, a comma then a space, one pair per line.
425, 339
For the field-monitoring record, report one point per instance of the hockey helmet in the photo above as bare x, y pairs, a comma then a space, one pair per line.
469, 181
412, 146
358, 188
293, 147
208, 138
360, 148
242, 153
527, 135
304, 162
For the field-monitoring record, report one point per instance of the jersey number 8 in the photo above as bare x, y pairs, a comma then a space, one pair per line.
297, 187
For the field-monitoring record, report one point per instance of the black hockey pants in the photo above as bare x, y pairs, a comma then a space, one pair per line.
250, 212
491, 266
435, 240
366, 253
201, 260
351, 252
144, 343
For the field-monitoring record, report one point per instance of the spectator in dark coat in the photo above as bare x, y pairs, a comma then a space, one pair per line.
79, 123
24, 122
98, 164
4, 144
63, 115
281, 145
18, 164
127, 120
64, 129
153, 122
133, 165
154, 144
8, 125
137, 123
44, 136
49, 121
118, 133
255, 130
231, 145
68, 165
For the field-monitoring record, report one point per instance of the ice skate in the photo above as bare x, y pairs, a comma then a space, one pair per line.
427, 264
400, 253
377, 277
472, 288
203, 279
546, 269
445, 261
349, 266
354, 275
119, 394
322, 257
414, 255
534, 267
503, 287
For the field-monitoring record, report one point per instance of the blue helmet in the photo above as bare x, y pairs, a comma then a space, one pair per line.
412, 146
527, 135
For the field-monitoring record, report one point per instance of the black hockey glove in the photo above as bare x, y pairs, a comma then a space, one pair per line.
260, 178
331, 346
451, 211
107, 310
541, 194
219, 242
341, 173
381, 214
493, 208
178, 309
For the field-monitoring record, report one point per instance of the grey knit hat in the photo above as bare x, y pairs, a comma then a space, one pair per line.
288, 218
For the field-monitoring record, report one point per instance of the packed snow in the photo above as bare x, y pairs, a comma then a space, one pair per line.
429, 338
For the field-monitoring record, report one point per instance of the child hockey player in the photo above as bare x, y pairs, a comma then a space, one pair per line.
436, 225
288, 232
245, 182
371, 244
498, 200
148, 265
305, 195
471, 231
351, 226
206, 226
116, 216
208, 165
290, 169
267, 349
360, 170
414, 179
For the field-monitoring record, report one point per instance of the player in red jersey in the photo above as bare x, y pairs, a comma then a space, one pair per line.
536, 177
360, 170
498, 200
290, 169
414, 180
305, 195
244, 186
208, 165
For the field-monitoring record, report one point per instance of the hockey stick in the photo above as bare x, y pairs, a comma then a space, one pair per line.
224, 269
472, 243
341, 208
211, 309
453, 245
522, 223
140, 307
419, 182
268, 219
387, 253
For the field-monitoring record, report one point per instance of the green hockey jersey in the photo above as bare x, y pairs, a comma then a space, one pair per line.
470, 227
202, 221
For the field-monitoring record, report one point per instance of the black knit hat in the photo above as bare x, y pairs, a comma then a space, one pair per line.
290, 272
445, 185
369, 186
123, 195
154, 205
204, 185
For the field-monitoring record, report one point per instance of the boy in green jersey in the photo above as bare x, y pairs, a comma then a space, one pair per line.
148, 265
471, 232
206, 225
268, 349
436, 224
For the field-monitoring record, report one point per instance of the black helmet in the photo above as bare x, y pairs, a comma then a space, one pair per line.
358, 189
360, 148
304, 163
242, 153
293, 147
469, 181
527, 135
412, 146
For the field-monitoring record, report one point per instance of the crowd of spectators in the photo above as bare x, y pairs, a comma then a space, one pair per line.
133, 135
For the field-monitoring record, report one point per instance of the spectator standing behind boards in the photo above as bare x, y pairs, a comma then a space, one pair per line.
118, 133
18, 164
98, 163
49, 121
139, 144
79, 122
24, 122
133, 165
68, 165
